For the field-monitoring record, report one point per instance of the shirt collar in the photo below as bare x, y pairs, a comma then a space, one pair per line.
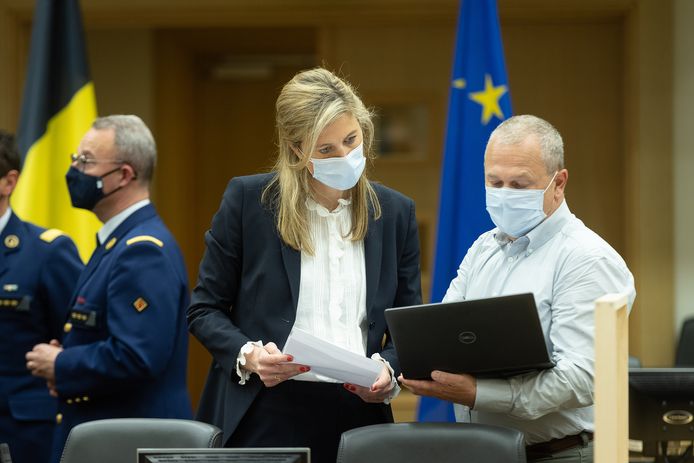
5, 219
112, 223
539, 235
342, 205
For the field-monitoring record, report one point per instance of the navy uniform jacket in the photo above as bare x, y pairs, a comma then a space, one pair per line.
248, 288
126, 344
38, 271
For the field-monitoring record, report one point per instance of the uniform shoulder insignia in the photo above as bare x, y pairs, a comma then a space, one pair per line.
49, 235
141, 238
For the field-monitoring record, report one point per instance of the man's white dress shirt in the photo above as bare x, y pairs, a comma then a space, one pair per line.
567, 267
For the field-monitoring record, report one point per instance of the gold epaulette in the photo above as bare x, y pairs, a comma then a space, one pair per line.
49, 235
141, 238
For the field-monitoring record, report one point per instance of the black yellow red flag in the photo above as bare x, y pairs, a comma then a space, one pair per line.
58, 107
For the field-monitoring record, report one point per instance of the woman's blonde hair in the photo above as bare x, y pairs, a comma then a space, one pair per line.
308, 103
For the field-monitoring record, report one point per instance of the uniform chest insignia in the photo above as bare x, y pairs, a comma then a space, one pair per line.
11, 241
83, 318
19, 304
140, 304
10, 287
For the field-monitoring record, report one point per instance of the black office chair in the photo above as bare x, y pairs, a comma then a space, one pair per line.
432, 443
117, 440
684, 357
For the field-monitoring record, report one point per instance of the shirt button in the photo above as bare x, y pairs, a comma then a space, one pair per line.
59, 418
67, 327
372, 324
510, 259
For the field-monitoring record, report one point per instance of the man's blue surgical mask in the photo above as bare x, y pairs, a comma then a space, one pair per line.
516, 211
86, 190
340, 173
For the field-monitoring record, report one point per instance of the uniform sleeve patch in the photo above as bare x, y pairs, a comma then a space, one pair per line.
139, 239
49, 235
140, 304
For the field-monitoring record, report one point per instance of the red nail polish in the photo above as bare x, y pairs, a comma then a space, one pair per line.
304, 369
290, 358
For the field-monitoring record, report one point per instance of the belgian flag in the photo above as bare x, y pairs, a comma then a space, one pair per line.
58, 107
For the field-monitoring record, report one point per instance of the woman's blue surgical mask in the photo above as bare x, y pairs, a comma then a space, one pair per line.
340, 173
516, 211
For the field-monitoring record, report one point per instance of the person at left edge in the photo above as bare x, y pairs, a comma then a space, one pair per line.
38, 271
125, 349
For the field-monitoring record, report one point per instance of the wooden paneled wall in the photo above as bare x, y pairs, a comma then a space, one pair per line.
598, 69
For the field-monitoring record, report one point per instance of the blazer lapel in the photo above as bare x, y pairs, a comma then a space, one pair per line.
292, 265
89, 269
373, 248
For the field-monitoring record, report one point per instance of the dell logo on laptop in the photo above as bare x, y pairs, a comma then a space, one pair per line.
467, 337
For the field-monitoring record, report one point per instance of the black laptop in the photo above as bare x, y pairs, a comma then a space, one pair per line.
493, 337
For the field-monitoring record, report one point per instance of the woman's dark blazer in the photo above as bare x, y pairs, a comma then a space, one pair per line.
248, 288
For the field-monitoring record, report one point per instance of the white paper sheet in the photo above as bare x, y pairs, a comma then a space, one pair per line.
330, 360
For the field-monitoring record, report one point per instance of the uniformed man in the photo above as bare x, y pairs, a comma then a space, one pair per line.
38, 271
125, 349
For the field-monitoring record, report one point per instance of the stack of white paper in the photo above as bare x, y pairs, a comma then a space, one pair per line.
330, 360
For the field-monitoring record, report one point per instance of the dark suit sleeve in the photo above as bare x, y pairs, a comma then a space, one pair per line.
218, 282
409, 289
59, 275
144, 293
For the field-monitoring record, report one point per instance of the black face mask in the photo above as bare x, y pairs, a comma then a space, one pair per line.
86, 190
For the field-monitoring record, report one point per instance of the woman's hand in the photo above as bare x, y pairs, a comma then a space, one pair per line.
271, 365
379, 390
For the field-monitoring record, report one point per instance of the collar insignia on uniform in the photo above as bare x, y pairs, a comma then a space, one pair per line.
11, 241
111, 243
10, 287
140, 304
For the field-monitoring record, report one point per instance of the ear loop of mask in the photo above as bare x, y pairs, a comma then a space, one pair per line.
101, 180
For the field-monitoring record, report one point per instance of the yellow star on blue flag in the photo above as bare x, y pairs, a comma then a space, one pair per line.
489, 99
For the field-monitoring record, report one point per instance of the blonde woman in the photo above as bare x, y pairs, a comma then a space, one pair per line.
315, 246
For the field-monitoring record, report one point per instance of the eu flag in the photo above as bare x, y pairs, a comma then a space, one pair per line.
479, 101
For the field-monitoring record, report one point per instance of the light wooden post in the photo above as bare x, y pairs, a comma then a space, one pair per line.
611, 379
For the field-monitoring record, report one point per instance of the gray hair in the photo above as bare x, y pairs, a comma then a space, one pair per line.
516, 129
133, 141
